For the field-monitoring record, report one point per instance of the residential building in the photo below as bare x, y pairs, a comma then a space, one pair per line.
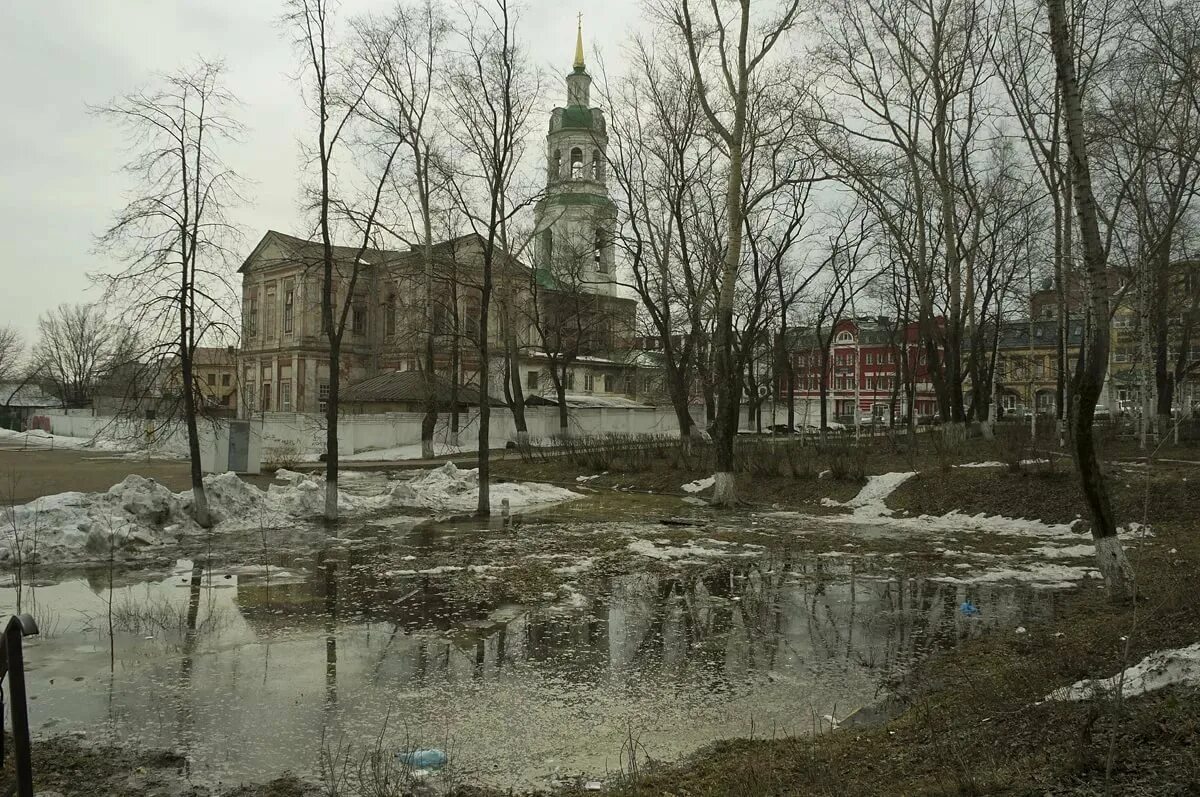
865, 368
214, 374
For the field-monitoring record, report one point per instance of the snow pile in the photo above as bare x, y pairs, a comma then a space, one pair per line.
1159, 669
140, 513
136, 513
699, 485
993, 464
445, 489
230, 498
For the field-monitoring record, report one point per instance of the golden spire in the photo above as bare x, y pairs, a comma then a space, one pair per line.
579, 43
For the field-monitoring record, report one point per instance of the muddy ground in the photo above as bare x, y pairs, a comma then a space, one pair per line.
967, 721
29, 474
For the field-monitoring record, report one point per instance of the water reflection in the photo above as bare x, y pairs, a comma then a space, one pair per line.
257, 666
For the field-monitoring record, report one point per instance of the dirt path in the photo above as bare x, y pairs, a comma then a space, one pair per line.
26, 475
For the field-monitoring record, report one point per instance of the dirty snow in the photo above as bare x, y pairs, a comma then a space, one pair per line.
37, 438
664, 551
699, 485
995, 464
1159, 669
1035, 574
141, 513
869, 503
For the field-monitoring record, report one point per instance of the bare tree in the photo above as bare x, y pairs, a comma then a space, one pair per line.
724, 73
12, 351
174, 233
491, 93
908, 117
406, 50
1092, 365
75, 349
334, 95
1149, 141
658, 158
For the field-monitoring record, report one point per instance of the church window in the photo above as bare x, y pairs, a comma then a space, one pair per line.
576, 164
390, 317
556, 164
597, 165
599, 252
548, 244
471, 321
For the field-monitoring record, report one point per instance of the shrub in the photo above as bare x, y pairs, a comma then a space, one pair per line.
846, 464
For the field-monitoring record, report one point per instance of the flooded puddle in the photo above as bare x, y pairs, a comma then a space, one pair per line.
255, 668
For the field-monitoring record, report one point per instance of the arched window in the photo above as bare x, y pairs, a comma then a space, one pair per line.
845, 337
598, 253
548, 245
556, 164
390, 316
576, 164
597, 166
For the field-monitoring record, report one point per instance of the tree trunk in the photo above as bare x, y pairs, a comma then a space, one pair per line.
564, 416
677, 388
429, 421
331, 429
1089, 374
455, 361
484, 508
199, 498
517, 404
1164, 383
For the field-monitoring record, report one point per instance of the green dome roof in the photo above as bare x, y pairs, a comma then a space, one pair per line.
577, 116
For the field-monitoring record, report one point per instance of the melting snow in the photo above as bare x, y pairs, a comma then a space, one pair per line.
699, 484
140, 512
1159, 669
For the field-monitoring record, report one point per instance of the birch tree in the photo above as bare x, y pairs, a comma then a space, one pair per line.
174, 233
725, 61
1092, 364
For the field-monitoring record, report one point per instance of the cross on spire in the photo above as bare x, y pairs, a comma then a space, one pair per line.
579, 43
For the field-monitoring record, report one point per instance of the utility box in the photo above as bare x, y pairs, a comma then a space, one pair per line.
231, 445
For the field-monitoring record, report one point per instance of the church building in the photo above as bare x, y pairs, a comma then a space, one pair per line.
567, 311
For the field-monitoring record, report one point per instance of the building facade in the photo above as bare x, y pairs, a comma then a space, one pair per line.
865, 369
575, 221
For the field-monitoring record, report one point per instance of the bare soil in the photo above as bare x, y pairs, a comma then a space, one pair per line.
29, 474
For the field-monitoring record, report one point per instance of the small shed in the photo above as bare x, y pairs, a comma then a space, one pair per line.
19, 401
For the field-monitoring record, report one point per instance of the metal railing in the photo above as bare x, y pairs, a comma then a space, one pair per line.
12, 665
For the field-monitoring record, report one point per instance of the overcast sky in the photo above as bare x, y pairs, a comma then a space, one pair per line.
60, 180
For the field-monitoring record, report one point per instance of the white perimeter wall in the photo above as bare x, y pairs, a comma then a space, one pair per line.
299, 433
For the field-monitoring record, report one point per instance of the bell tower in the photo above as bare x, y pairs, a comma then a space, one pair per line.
576, 220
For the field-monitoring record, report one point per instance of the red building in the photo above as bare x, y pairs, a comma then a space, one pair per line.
864, 364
